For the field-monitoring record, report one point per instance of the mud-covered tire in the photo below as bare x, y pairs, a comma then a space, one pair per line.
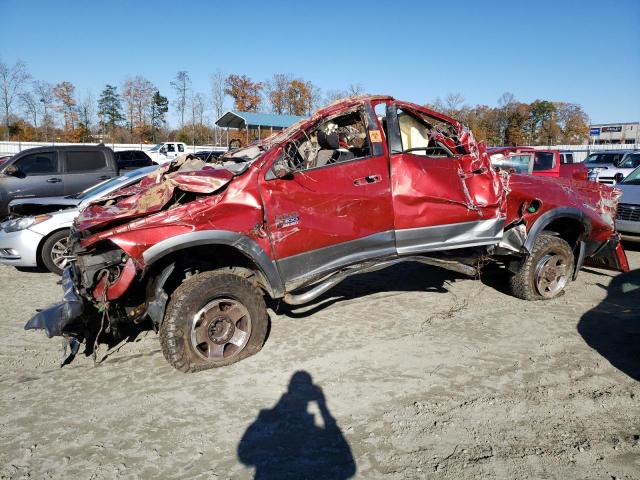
192, 297
528, 281
50, 248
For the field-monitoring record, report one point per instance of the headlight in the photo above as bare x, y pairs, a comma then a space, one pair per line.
18, 224
594, 171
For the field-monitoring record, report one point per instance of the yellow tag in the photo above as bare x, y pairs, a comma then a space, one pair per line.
375, 136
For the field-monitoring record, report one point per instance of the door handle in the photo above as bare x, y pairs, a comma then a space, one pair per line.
54, 180
358, 182
104, 177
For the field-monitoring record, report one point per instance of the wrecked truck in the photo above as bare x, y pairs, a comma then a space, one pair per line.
365, 183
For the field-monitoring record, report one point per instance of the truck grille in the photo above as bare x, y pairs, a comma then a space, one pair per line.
628, 212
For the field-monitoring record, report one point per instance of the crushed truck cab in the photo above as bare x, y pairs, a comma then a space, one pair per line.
363, 184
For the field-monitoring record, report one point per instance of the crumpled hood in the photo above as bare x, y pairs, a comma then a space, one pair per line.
597, 197
154, 192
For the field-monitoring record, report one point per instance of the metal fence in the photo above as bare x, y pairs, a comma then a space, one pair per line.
580, 152
12, 148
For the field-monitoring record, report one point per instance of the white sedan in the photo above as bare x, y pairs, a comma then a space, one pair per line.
41, 240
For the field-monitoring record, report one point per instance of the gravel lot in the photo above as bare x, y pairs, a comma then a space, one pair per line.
410, 372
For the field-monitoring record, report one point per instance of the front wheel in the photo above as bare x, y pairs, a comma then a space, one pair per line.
54, 252
546, 271
213, 319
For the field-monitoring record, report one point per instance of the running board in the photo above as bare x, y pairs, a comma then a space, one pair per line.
333, 280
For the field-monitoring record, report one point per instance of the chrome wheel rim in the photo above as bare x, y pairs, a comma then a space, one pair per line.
59, 253
552, 275
221, 329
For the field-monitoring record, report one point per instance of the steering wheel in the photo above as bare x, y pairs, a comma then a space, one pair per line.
430, 150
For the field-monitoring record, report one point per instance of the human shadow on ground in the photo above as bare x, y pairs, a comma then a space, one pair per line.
284, 442
405, 277
612, 328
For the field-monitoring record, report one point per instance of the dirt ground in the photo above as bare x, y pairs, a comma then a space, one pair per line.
410, 372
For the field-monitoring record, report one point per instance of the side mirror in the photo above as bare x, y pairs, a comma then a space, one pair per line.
163, 150
281, 169
618, 177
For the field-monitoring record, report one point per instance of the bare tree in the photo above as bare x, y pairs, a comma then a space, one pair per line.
217, 100
137, 94
316, 96
86, 111
181, 84
508, 104
453, 103
12, 82
197, 115
352, 90
30, 105
507, 99
355, 89
43, 92
277, 92
217, 92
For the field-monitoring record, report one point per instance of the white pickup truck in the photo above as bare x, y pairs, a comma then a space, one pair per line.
167, 151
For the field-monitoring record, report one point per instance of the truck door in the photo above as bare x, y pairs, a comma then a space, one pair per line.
334, 209
444, 197
85, 168
35, 175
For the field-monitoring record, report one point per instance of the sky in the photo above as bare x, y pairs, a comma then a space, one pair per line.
585, 52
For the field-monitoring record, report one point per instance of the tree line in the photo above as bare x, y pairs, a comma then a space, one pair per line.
136, 111
511, 122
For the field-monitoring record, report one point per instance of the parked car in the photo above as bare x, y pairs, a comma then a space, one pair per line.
617, 173
41, 238
541, 163
628, 215
132, 159
166, 152
338, 194
208, 155
604, 166
54, 171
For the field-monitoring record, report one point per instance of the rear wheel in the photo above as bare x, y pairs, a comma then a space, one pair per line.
544, 274
54, 251
213, 319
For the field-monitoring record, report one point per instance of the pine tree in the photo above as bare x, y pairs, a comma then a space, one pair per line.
159, 107
110, 108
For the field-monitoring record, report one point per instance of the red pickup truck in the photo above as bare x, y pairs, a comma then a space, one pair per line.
540, 163
365, 183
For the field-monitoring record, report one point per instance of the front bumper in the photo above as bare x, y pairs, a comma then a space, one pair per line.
628, 226
610, 256
20, 248
54, 319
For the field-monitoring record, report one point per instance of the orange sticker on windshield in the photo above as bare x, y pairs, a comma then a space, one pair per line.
375, 136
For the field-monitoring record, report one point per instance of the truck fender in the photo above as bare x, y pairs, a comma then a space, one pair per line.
546, 218
242, 243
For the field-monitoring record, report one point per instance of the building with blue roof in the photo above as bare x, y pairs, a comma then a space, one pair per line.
256, 121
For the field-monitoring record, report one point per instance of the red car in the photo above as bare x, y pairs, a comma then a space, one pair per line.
537, 162
365, 183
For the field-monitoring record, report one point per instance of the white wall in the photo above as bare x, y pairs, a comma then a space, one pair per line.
16, 147
580, 152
